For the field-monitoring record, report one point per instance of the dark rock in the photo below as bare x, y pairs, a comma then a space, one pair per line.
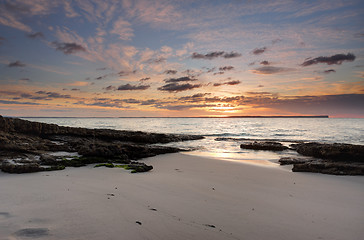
272, 146
330, 167
28, 145
48, 159
45, 130
336, 151
139, 167
10, 167
294, 160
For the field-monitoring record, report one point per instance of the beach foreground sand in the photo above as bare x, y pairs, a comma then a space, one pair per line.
183, 197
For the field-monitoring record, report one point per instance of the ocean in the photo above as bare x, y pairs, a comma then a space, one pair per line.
287, 130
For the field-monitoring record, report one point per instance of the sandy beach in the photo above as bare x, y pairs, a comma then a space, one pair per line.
183, 197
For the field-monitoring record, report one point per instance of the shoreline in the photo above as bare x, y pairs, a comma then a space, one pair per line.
183, 197
28, 146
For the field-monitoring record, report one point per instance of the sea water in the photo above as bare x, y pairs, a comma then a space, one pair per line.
287, 130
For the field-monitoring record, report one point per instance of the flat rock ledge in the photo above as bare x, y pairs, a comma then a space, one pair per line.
272, 146
336, 158
27, 146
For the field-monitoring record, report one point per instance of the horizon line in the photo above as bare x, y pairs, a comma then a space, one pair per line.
248, 116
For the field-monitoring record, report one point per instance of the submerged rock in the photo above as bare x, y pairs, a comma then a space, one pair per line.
272, 146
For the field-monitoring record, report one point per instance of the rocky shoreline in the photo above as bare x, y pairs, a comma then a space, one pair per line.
27, 146
336, 158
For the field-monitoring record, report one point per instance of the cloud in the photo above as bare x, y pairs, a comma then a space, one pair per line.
101, 69
226, 68
109, 102
184, 107
322, 104
70, 12
48, 68
335, 59
11, 12
35, 35
110, 88
259, 93
20, 103
25, 79
232, 55
149, 102
330, 71
219, 73
123, 29
102, 77
271, 70
131, 100
181, 79
78, 84
172, 72
53, 94
265, 63
68, 48
16, 64
126, 73
258, 51
133, 87
192, 72
144, 79
216, 54
156, 60
17, 8
198, 97
75, 89
175, 87
209, 70
234, 82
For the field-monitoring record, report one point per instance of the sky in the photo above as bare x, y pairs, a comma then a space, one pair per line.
191, 58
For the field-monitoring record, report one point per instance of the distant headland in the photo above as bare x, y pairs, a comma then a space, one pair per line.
316, 116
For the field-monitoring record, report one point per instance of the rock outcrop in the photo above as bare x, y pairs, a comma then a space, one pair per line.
272, 146
45, 130
330, 167
27, 146
336, 158
294, 160
336, 151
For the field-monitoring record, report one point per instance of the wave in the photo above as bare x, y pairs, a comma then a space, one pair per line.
224, 135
